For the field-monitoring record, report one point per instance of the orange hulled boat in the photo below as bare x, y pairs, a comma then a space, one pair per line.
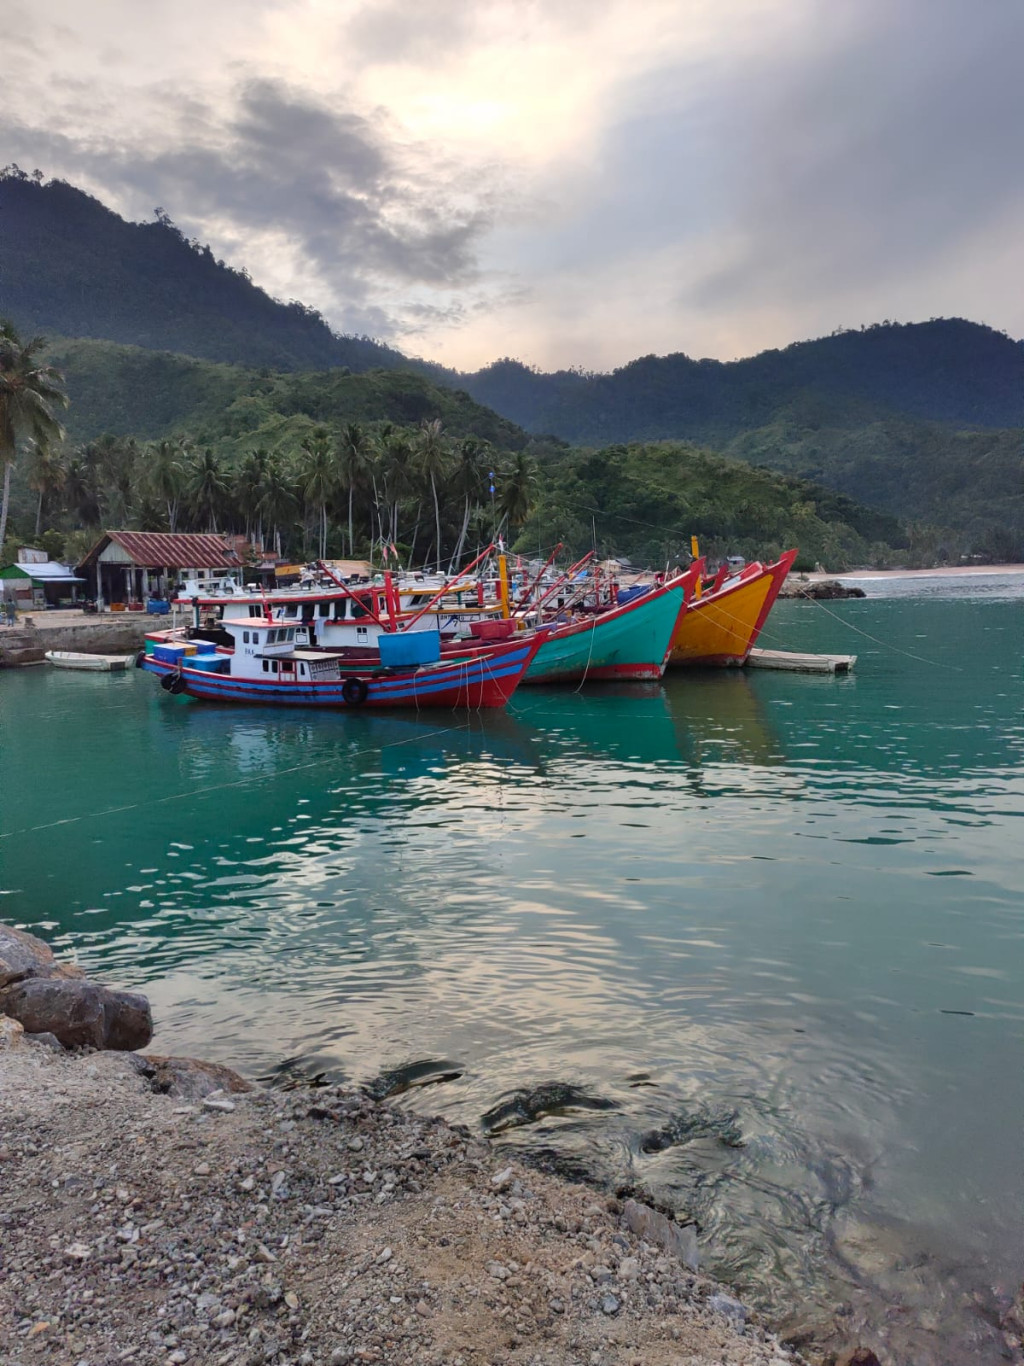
721, 626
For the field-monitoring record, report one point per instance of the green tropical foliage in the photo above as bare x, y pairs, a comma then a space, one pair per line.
30, 393
642, 502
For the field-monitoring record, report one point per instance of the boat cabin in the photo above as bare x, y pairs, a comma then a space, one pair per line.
264, 648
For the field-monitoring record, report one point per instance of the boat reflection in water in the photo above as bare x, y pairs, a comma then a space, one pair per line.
692, 719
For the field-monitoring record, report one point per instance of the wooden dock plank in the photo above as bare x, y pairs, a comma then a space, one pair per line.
800, 663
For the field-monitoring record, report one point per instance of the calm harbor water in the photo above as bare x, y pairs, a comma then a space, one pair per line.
754, 941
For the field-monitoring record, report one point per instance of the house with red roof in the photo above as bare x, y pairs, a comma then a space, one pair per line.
127, 567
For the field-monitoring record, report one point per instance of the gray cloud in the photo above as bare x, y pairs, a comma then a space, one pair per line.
410, 30
841, 163
363, 212
877, 154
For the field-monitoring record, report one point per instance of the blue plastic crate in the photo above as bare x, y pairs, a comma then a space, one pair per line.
407, 649
212, 663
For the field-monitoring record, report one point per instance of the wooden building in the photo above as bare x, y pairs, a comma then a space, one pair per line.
127, 567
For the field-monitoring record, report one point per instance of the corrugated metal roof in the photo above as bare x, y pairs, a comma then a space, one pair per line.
46, 571
164, 550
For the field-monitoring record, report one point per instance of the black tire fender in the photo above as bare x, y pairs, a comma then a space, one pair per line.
139, 659
354, 691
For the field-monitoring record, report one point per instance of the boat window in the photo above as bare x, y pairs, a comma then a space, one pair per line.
266, 667
291, 633
324, 609
245, 637
358, 610
302, 670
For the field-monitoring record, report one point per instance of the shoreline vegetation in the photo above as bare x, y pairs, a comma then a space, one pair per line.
167, 1212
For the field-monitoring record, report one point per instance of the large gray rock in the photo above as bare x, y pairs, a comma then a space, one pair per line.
79, 1013
23, 955
654, 1228
48, 997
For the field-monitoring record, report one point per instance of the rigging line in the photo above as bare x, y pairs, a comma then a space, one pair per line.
774, 635
223, 787
933, 663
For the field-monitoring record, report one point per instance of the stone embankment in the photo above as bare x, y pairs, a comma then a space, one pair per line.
111, 633
163, 1212
799, 586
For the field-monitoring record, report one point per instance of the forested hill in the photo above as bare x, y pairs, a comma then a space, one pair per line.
70, 266
921, 421
946, 370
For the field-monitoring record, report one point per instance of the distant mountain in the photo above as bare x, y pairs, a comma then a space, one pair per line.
70, 266
947, 370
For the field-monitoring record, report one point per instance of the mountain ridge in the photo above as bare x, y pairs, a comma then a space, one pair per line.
917, 419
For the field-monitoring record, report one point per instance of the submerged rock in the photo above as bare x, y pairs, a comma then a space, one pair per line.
723, 1125
551, 1098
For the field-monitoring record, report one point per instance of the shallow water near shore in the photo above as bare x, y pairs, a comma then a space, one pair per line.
754, 941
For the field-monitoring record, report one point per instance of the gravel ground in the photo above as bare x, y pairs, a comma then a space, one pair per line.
312, 1228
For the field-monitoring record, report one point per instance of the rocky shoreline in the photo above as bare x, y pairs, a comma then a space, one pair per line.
818, 590
165, 1212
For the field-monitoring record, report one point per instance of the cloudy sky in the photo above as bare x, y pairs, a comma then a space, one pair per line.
572, 182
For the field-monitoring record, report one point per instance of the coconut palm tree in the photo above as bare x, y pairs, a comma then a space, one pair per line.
278, 501
248, 491
80, 490
354, 451
30, 393
115, 461
317, 477
467, 480
207, 487
518, 491
433, 459
46, 475
166, 476
395, 459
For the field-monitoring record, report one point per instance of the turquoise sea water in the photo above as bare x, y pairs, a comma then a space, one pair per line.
757, 938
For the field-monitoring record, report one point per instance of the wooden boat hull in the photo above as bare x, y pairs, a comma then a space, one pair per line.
70, 659
625, 643
721, 628
481, 679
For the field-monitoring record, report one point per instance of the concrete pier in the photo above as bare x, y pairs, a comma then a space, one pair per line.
37, 632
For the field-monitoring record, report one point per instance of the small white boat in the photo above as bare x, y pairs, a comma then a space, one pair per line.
70, 659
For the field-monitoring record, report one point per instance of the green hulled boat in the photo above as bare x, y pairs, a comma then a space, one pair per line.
631, 641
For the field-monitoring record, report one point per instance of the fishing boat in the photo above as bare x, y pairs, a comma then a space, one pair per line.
70, 659
630, 641
264, 665
721, 626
